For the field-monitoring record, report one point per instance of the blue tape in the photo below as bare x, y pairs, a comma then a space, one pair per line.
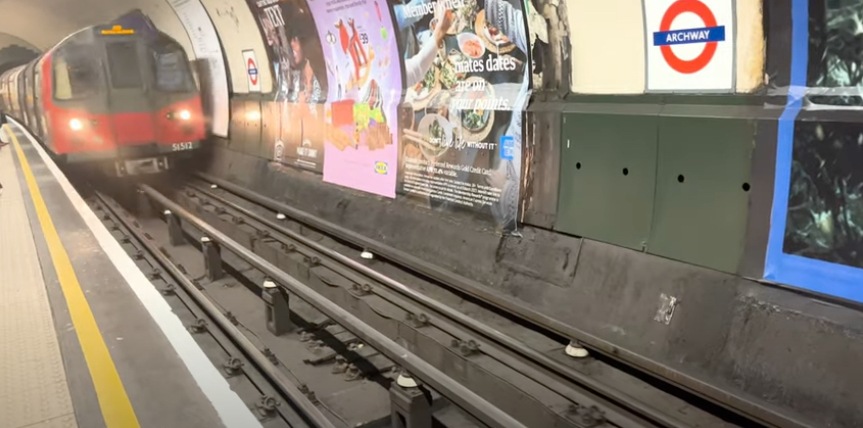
811, 274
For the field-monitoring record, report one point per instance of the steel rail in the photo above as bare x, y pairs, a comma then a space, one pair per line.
430, 375
282, 383
631, 403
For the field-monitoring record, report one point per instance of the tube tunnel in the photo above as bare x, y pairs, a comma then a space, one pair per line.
673, 186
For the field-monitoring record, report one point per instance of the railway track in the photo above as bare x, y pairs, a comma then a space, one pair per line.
365, 322
230, 348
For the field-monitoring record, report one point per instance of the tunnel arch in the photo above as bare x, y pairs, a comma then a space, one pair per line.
14, 55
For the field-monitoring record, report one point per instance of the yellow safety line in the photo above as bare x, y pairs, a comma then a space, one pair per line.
116, 408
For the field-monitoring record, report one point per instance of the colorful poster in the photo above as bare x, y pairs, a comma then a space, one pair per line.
690, 45
361, 54
299, 73
467, 83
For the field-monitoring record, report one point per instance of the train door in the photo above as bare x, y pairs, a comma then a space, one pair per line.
25, 97
22, 98
131, 118
3, 102
29, 104
38, 107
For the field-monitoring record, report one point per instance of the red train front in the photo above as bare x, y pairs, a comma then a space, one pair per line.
107, 95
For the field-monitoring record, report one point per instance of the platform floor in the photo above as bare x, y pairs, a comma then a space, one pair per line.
33, 388
85, 340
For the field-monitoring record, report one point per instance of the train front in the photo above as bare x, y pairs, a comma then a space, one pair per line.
138, 110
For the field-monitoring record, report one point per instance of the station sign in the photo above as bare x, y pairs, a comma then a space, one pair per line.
252, 70
690, 45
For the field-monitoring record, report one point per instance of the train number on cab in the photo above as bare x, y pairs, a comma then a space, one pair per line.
178, 147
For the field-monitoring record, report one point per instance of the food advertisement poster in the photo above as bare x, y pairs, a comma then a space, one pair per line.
300, 76
365, 87
466, 84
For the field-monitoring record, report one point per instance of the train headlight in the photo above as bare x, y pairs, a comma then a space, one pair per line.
185, 114
76, 124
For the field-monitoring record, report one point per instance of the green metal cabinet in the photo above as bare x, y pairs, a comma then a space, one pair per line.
608, 173
703, 177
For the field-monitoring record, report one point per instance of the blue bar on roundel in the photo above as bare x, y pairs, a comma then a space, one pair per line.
688, 36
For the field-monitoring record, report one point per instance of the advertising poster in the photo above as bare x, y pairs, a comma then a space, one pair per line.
467, 83
300, 80
690, 45
214, 78
365, 87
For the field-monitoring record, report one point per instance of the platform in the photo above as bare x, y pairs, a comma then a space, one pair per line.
85, 340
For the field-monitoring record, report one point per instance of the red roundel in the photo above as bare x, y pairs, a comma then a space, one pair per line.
706, 15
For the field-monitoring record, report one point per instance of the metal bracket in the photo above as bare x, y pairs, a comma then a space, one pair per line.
212, 259
266, 406
417, 321
169, 290
175, 229
409, 408
466, 347
666, 308
276, 308
199, 326
361, 290
233, 366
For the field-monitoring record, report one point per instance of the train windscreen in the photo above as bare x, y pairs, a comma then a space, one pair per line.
171, 70
77, 74
124, 66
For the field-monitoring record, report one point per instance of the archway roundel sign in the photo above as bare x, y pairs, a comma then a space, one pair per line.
252, 71
690, 45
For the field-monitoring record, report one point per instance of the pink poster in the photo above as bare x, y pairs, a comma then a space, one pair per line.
362, 57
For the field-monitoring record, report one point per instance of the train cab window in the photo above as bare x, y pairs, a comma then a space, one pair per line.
172, 71
75, 78
124, 66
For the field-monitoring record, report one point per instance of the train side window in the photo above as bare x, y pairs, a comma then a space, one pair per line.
124, 66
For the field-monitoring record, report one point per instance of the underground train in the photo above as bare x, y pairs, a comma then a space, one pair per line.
112, 97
